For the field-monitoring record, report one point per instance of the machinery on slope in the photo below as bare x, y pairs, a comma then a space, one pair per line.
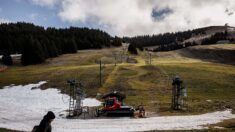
113, 106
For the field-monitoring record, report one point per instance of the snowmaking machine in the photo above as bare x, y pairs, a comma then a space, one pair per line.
113, 106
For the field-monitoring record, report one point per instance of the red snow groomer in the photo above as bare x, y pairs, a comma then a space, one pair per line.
113, 106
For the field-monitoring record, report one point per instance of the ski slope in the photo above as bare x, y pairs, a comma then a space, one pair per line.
22, 107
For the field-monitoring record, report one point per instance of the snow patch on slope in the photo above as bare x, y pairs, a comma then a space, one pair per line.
91, 102
22, 108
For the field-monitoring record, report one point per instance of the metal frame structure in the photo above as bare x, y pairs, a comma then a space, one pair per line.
179, 94
76, 96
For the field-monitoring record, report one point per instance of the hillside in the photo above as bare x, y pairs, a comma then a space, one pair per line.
220, 53
179, 40
210, 85
36, 43
209, 31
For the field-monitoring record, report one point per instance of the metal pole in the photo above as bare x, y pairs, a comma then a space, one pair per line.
173, 96
172, 99
150, 59
100, 73
70, 100
115, 59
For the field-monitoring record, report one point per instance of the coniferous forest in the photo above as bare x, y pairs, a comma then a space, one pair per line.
36, 43
163, 40
173, 41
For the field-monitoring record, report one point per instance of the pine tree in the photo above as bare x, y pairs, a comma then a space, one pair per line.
117, 41
32, 53
132, 49
51, 42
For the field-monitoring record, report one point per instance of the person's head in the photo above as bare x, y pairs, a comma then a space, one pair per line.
50, 116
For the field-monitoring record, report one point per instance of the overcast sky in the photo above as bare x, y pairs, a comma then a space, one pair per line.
121, 17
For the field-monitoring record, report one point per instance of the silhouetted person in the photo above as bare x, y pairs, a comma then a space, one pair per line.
45, 124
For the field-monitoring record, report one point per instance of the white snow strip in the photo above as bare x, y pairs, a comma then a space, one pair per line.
13, 55
90, 102
21, 108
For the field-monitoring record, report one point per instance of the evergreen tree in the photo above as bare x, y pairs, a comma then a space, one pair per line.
50, 48
70, 46
50, 42
117, 41
132, 49
32, 53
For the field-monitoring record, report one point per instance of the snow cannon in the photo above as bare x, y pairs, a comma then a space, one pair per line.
113, 106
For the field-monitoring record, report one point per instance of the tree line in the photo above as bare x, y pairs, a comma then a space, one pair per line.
162, 39
216, 37
173, 41
37, 44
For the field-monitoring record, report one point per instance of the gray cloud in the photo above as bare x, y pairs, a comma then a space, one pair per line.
229, 12
160, 14
135, 17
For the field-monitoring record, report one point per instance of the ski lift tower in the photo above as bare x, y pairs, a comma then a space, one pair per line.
178, 94
76, 96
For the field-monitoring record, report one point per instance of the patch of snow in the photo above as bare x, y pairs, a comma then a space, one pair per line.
13, 55
22, 108
218, 127
91, 102
16, 55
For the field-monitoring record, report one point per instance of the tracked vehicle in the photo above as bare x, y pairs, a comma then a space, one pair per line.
113, 106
